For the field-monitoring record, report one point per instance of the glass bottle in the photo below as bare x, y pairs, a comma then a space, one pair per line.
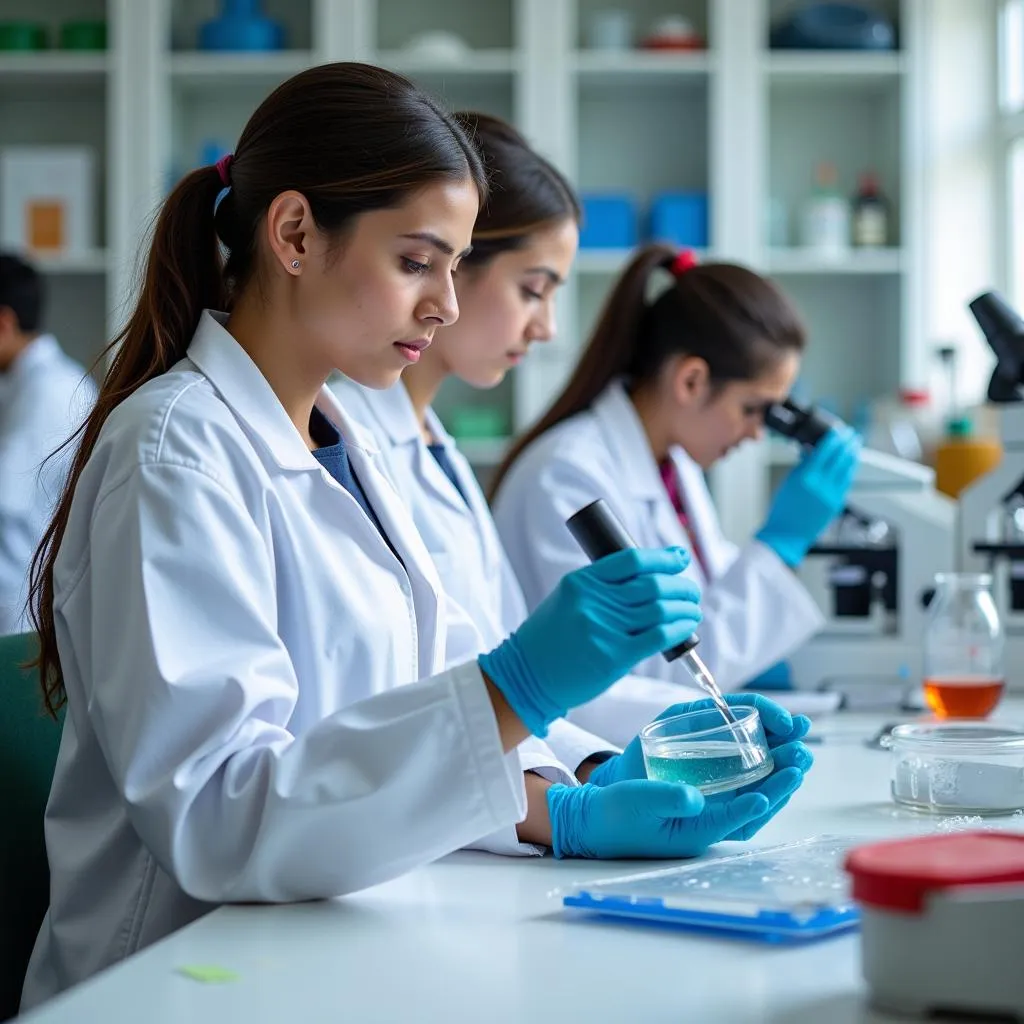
963, 647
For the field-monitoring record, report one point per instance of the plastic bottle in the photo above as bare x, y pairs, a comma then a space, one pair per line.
962, 458
825, 220
870, 214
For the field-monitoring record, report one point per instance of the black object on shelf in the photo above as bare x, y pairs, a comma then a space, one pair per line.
833, 26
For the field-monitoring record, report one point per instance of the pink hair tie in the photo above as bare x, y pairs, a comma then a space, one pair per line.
684, 261
223, 166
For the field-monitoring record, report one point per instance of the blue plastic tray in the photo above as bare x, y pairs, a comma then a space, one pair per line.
783, 894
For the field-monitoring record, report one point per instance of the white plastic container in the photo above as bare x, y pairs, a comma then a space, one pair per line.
825, 217
942, 923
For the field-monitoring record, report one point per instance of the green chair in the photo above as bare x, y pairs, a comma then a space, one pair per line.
29, 740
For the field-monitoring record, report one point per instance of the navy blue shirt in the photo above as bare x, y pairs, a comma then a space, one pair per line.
333, 456
441, 458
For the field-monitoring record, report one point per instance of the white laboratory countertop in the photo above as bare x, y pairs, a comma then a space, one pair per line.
477, 938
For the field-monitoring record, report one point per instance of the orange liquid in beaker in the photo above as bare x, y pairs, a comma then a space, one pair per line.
962, 696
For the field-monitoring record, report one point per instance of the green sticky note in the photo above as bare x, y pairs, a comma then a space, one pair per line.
209, 974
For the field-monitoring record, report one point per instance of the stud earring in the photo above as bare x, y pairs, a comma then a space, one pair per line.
296, 264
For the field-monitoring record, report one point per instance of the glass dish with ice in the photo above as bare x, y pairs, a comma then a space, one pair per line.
703, 750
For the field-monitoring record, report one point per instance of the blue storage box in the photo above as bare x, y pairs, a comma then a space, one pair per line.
609, 221
680, 218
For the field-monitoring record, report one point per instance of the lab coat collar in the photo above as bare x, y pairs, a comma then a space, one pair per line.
396, 415
241, 384
627, 442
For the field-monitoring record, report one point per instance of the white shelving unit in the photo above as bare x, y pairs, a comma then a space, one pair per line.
62, 97
738, 121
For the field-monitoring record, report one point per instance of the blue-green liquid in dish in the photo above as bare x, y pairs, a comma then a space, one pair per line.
711, 767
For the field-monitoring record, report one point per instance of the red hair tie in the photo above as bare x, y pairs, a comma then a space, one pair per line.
223, 166
684, 261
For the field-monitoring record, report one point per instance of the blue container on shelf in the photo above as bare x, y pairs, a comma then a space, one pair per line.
609, 221
241, 26
834, 26
680, 218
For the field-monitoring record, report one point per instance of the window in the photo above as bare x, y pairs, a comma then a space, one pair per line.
1011, 134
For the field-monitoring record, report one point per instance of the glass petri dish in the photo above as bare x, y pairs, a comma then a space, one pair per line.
958, 767
701, 749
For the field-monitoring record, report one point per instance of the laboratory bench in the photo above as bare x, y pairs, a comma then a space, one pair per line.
475, 937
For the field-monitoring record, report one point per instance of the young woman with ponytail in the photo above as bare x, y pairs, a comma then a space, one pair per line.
524, 242
682, 365
233, 603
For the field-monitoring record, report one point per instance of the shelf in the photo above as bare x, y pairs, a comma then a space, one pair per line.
472, 64
842, 69
856, 261
484, 451
53, 68
638, 67
195, 70
96, 261
612, 261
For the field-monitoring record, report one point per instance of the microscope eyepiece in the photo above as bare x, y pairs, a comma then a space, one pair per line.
805, 424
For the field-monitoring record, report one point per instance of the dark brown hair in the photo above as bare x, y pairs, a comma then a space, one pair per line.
351, 138
526, 192
738, 322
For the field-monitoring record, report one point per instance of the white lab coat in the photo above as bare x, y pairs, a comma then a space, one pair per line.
756, 611
44, 398
484, 602
238, 641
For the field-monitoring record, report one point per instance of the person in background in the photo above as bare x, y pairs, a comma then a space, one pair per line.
524, 242
670, 382
44, 398
233, 602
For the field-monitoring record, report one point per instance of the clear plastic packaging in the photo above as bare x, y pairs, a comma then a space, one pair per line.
790, 893
958, 767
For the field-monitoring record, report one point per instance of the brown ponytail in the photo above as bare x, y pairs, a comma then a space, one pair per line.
299, 138
738, 322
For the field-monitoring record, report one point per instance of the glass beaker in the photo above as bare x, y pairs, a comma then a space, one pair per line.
963, 647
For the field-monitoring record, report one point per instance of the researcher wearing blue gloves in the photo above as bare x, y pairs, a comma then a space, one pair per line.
679, 370
615, 815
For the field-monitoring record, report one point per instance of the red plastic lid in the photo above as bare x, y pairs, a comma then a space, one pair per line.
900, 874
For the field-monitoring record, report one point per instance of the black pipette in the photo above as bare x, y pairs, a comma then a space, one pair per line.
600, 533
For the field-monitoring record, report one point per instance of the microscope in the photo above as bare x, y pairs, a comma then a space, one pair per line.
872, 572
990, 534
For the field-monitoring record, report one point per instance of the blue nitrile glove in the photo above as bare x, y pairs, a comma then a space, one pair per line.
591, 630
642, 818
780, 727
812, 495
778, 677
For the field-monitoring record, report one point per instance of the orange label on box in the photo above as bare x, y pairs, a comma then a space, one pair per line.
45, 223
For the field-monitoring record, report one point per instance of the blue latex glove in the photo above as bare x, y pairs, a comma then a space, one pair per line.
780, 728
812, 495
645, 819
591, 630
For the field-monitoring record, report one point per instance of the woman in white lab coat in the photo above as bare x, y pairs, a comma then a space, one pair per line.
524, 243
231, 598
670, 382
